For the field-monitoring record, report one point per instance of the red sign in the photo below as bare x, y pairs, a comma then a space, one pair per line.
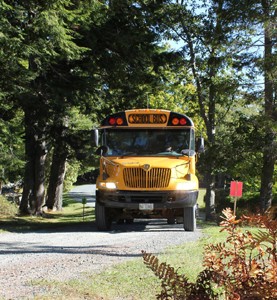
236, 189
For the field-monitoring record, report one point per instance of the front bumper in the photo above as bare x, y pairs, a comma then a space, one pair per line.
159, 199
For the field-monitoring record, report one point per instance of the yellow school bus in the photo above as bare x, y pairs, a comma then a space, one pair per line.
147, 168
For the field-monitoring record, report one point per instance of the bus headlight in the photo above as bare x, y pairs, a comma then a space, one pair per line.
187, 185
108, 185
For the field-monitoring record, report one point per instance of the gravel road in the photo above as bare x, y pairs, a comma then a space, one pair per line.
73, 252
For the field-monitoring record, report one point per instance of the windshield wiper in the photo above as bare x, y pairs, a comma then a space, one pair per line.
128, 154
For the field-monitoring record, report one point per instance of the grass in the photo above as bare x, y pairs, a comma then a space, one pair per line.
71, 215
130, 280
200, 201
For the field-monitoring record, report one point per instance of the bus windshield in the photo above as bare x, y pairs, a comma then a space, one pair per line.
149, 142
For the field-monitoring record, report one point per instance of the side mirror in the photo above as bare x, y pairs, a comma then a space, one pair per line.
200, 148
102, 150
188, 152
95, 137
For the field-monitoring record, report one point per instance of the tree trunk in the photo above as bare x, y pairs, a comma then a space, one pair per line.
57, 173
267, 179
210, 195
29, 176
210, 125
210, 178
209, 120
270, 151
39, 189
33, 189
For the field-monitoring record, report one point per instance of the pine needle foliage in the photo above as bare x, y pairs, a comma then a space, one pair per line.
244, 267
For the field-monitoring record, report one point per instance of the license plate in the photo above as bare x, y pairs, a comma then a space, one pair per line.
146, 206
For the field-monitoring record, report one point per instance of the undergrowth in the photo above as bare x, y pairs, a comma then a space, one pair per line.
244, 267
7, 209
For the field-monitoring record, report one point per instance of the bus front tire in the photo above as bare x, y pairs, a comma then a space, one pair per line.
171, 221
189, 218
103, 218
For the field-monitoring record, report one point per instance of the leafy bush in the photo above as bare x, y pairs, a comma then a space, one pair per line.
71, 175
243, 268
7, 209
248, 203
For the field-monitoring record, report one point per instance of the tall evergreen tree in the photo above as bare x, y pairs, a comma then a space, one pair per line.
44, 35
90, 55
269, 9
260, 17
212, 49
119, 62
11, 77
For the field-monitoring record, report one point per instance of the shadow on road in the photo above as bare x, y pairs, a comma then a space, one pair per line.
139, 225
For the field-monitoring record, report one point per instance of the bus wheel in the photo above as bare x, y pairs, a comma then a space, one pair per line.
129, 221
189, 218
171, 221
103, 218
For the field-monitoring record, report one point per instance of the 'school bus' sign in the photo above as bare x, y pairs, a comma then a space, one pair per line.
147, 118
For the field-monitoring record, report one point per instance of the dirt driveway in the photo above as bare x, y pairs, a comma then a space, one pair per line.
73, 252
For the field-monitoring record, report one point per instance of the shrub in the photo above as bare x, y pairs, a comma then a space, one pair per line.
243, 268
7, 209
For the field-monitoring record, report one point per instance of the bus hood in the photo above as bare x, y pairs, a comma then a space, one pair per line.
153, 162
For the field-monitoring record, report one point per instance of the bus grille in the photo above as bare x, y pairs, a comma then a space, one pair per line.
153, 178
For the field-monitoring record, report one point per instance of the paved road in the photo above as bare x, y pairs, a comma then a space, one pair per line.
78, 192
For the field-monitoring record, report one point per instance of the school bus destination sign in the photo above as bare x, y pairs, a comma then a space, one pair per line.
147, 119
